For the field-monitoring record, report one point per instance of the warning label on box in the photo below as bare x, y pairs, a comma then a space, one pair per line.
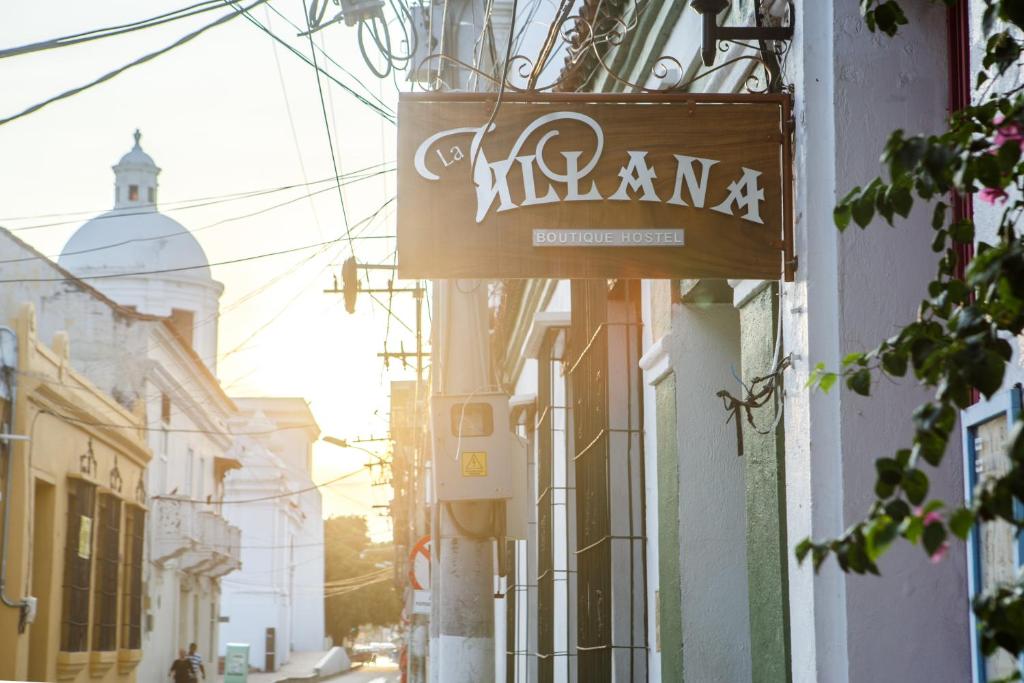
474, 464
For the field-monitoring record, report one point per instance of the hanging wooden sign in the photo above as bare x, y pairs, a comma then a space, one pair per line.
588, 186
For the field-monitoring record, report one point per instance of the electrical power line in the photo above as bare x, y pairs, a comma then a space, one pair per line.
330, 59
330, 144
351, 580
286, 306
366, 173
111, 31
361, 226
314, 487
130, 65
335, 594
291, 120
384, 112
284, 309
105, 276
172, 235
141, 428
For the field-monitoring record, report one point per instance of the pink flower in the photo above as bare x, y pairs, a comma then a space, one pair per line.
1010, 132
931, 518
940, 553
993, 195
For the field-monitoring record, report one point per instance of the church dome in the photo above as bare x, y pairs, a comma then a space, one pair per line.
143, 241
135, 237
145, 260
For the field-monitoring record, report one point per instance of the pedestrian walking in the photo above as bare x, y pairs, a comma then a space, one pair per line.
196, 660
182, 669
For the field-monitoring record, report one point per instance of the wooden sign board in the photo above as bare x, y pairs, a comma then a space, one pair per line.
592, 186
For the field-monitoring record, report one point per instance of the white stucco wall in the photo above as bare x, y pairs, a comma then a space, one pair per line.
95, 326
252, 598
280, 585
654, 363
159, 296
704, 350
183, 463
851, 291
308, 607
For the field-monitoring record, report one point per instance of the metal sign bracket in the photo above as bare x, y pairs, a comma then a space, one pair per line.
712, 33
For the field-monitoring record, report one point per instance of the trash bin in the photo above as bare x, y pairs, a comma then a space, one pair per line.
236, 663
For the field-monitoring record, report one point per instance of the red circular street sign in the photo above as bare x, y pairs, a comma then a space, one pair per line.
419, 564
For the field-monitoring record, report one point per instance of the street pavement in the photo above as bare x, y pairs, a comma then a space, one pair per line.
384, 671
302, 663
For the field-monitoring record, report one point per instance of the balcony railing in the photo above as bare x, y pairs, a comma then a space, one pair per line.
175, 528
230, 550
200, 540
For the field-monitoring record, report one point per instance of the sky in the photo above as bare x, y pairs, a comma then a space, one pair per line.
227, 113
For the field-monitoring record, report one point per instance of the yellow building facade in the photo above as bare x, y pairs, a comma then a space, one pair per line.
72, 477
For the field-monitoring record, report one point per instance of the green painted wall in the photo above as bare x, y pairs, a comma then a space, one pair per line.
766, 503
669, 593
661, 307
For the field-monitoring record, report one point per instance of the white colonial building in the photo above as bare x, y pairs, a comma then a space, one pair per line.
133, 288
275, 603
151, 264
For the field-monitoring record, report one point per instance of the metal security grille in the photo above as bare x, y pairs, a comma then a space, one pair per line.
545, 558
104, 632
511, 632
77, 566
555, 517
131, 620
608, 457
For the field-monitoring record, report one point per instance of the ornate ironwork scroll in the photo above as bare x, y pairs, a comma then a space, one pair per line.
592, 41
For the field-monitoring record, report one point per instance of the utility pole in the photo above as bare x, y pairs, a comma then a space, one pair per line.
463, 566
420, 626
419, 525
463, 580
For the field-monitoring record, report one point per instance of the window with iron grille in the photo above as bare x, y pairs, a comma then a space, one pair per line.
545, 559
511, 632
521, 581
608, 457
131, 601
563, 521
77, 566
108, 537
555, 518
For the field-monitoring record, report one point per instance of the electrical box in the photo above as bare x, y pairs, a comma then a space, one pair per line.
355, 11
474, 447
31, 609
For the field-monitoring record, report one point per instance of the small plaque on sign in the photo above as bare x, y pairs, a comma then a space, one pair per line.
421, 602
474, 464
647, 237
